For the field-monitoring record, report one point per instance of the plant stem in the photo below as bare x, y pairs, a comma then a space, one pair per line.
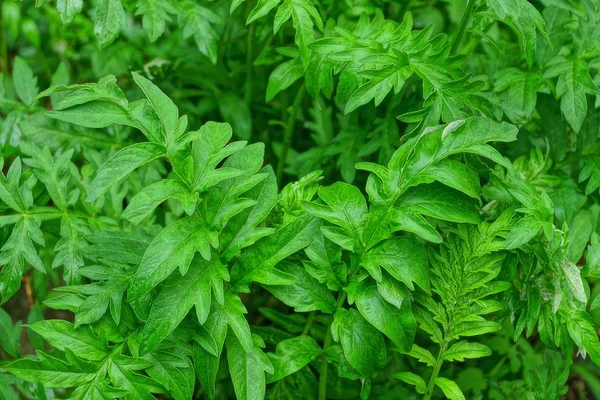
463, 25
436, 370
249, 65
326, 344
289, 130
309, 321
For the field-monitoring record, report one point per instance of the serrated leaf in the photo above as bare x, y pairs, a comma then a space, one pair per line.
177, 297
461, 350
267, 252
174, 247
144, 203
122, 164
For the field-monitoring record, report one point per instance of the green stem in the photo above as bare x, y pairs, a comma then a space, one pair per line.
326, 344
249, 65
436, 370
309, 322
463, 25
289, 130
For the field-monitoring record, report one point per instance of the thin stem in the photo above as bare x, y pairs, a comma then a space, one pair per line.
289, 130
463, 25
309, 322
326, 344
249, 65
436, 370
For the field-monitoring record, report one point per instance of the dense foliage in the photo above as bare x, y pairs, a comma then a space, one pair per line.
299, 199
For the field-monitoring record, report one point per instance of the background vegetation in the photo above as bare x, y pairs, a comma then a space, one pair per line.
297, 199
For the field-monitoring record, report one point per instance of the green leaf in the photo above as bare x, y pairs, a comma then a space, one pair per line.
177, 297
247, 370
283, 76
150, 197
261, 9
198, 21
306, 294
174, 371
174, 247
363, 345
53, 372
525, 19
16, 251
461, 350
574, 81
582, 330
256, 263
10, 333
162, 105
108, 19
243, 229
121, 165
68, 9
81, 341
450, 389
208, 151
206, 363
24, 80
413, 379
347, 208
155, 15
291, 355
522, 232
138, 387
381, 82
403, 257
439, 202
398, 324
572, 276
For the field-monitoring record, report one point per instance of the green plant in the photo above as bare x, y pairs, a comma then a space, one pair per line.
400, 199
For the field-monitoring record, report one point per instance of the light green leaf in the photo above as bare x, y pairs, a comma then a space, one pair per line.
177, 297
266, 253
413, 379
572, 275
450, 389
162, 105
81, 341
24, 80
461, 350
53, 372
144, 203
156, 14
247, 370
283, 76
108, 19
122, 164
174, 247
68, 9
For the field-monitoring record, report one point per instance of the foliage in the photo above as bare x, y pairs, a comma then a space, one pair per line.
293, 199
